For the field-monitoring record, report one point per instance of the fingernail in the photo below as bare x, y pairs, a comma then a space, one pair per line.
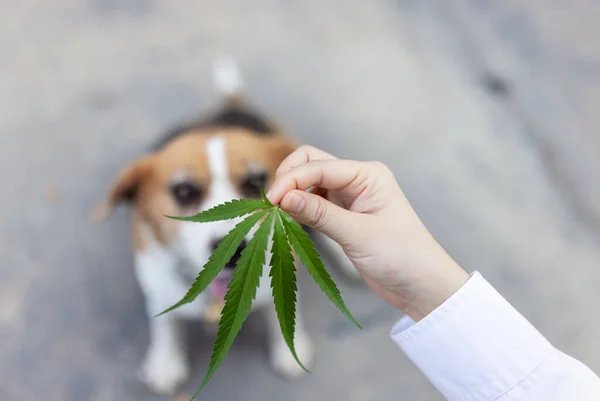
295, 203
268, 195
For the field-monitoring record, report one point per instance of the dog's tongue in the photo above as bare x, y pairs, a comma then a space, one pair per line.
218, 287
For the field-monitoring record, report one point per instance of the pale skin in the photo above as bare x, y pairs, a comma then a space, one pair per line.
361, 206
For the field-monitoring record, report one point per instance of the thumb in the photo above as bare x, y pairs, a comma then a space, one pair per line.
318, 213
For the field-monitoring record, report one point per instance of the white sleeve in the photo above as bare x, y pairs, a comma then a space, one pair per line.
477, 347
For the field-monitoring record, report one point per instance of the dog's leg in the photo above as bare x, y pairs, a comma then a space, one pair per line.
282, 360
165, 365
332, 250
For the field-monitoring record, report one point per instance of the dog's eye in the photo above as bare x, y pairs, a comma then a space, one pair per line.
186, 194
252, 185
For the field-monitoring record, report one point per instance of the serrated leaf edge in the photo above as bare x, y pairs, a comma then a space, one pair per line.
244, 207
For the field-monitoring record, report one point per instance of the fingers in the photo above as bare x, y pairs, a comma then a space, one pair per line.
328, 174
302, 155
322, 215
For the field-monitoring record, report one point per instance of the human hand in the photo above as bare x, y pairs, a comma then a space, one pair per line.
360, 206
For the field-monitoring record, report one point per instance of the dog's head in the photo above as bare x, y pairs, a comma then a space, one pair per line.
194, 171
231, 153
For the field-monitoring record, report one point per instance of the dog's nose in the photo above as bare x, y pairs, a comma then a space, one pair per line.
232, 262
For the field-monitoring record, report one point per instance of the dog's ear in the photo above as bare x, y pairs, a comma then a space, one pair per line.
125, 186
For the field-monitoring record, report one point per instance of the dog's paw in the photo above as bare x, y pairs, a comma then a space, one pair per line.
284, 363
164, 372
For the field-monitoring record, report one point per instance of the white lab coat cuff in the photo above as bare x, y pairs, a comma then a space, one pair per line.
475, 346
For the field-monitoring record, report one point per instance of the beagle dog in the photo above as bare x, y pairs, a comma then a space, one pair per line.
230, 153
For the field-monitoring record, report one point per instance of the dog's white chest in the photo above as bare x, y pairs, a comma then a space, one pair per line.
159, 273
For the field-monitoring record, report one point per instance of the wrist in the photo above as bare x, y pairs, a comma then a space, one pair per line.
433, 290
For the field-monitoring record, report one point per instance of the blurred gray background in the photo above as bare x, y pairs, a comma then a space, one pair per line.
486, 111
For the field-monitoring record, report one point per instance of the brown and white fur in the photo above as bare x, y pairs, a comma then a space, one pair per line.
230, 153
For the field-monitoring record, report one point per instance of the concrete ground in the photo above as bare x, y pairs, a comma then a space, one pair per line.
486, 112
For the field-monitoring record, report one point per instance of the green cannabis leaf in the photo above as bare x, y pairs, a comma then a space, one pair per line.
283, 282
240, 294
224, 252
287, 235
308, 254
226, 211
